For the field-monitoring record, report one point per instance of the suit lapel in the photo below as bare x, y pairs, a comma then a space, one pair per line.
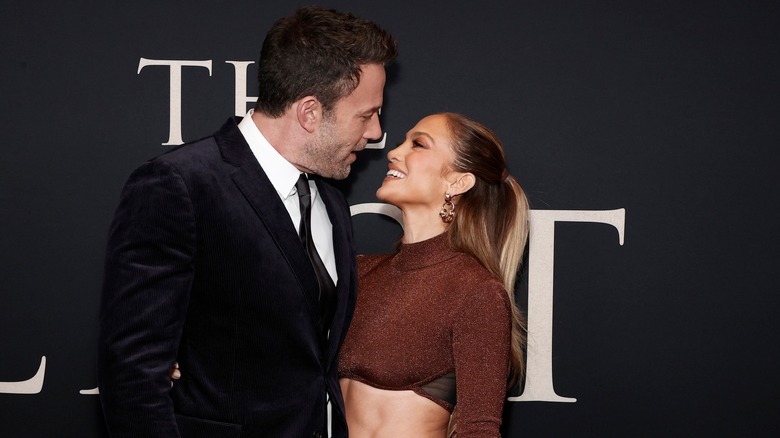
261, 195
343, 253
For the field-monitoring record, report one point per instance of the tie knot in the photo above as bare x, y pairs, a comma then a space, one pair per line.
302, 186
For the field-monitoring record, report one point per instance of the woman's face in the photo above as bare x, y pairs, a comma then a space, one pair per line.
419, 167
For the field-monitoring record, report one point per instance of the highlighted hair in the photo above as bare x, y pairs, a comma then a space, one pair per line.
492, 219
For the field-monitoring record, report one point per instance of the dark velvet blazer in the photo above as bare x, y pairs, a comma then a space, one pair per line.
204, 266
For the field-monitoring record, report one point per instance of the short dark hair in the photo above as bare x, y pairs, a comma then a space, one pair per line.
317, 52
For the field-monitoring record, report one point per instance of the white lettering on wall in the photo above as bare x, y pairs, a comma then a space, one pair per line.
240, 94
378, 144
174, 131
539, 373
241, 98
378, 208
33, 385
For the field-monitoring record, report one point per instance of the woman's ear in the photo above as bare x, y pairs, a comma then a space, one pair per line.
308, 110
462, 184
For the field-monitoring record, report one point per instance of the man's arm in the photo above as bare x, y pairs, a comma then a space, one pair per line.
148, 277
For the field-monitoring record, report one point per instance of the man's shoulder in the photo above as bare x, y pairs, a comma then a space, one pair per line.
187, 152
200, 151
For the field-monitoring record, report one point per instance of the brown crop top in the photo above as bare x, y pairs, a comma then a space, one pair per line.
423, 314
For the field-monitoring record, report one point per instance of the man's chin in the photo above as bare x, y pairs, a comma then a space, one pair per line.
339, 174
343, 175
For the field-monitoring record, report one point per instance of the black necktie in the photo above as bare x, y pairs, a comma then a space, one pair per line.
327, 293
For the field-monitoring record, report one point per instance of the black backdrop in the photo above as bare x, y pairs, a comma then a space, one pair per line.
668, 109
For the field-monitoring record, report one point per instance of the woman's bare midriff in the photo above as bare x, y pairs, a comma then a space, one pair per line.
380, 413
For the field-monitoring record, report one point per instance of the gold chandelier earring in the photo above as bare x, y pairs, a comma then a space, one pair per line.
447, 211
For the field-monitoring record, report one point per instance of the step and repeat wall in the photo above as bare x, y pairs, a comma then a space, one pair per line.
644, 132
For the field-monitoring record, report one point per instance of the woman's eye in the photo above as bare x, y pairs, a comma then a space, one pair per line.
417, 144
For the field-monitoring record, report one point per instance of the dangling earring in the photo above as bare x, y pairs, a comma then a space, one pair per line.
447, 211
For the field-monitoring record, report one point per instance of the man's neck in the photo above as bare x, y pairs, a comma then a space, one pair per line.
281, 132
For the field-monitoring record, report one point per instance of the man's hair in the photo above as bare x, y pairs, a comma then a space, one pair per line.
317, 52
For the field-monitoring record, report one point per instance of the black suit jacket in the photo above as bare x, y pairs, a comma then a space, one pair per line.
204, 266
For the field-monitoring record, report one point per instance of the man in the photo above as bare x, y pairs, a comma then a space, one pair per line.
206, 264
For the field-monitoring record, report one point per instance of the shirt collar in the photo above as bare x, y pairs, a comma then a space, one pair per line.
282, 174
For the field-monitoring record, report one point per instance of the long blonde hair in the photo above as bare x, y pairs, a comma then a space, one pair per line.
491, 223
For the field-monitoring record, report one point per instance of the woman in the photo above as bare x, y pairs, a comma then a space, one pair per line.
435, 326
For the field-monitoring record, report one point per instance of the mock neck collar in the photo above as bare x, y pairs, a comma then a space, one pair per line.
424, 253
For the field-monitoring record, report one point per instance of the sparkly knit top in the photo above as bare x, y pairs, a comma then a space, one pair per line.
426, 312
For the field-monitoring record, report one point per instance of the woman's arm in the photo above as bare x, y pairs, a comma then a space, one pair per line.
481, 347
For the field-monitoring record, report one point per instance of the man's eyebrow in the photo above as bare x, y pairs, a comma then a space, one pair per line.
372, 110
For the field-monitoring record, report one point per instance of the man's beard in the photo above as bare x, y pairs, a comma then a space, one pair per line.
322, 155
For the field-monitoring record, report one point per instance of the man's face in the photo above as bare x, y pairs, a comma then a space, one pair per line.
346, 129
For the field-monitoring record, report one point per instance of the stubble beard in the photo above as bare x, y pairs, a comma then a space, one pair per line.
322, 154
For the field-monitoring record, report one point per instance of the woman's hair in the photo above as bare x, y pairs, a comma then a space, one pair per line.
317, 52
491, 222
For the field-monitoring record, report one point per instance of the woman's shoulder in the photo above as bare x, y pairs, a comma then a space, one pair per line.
367, 262
475, 284
469, 271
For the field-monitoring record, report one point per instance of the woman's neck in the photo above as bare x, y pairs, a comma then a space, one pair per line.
421, 224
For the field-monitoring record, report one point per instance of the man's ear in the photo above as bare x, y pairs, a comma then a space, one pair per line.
308, 110
463, 183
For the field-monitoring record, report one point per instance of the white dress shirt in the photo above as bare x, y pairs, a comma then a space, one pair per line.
283, 176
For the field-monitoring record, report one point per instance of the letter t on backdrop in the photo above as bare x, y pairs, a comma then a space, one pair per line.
541, 260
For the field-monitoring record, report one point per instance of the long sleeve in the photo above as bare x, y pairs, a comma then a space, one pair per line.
148, 277
481, 344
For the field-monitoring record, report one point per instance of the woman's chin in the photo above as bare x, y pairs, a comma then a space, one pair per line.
380, 193
384, 193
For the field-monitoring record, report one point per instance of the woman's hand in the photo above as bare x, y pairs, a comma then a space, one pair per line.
174, 373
